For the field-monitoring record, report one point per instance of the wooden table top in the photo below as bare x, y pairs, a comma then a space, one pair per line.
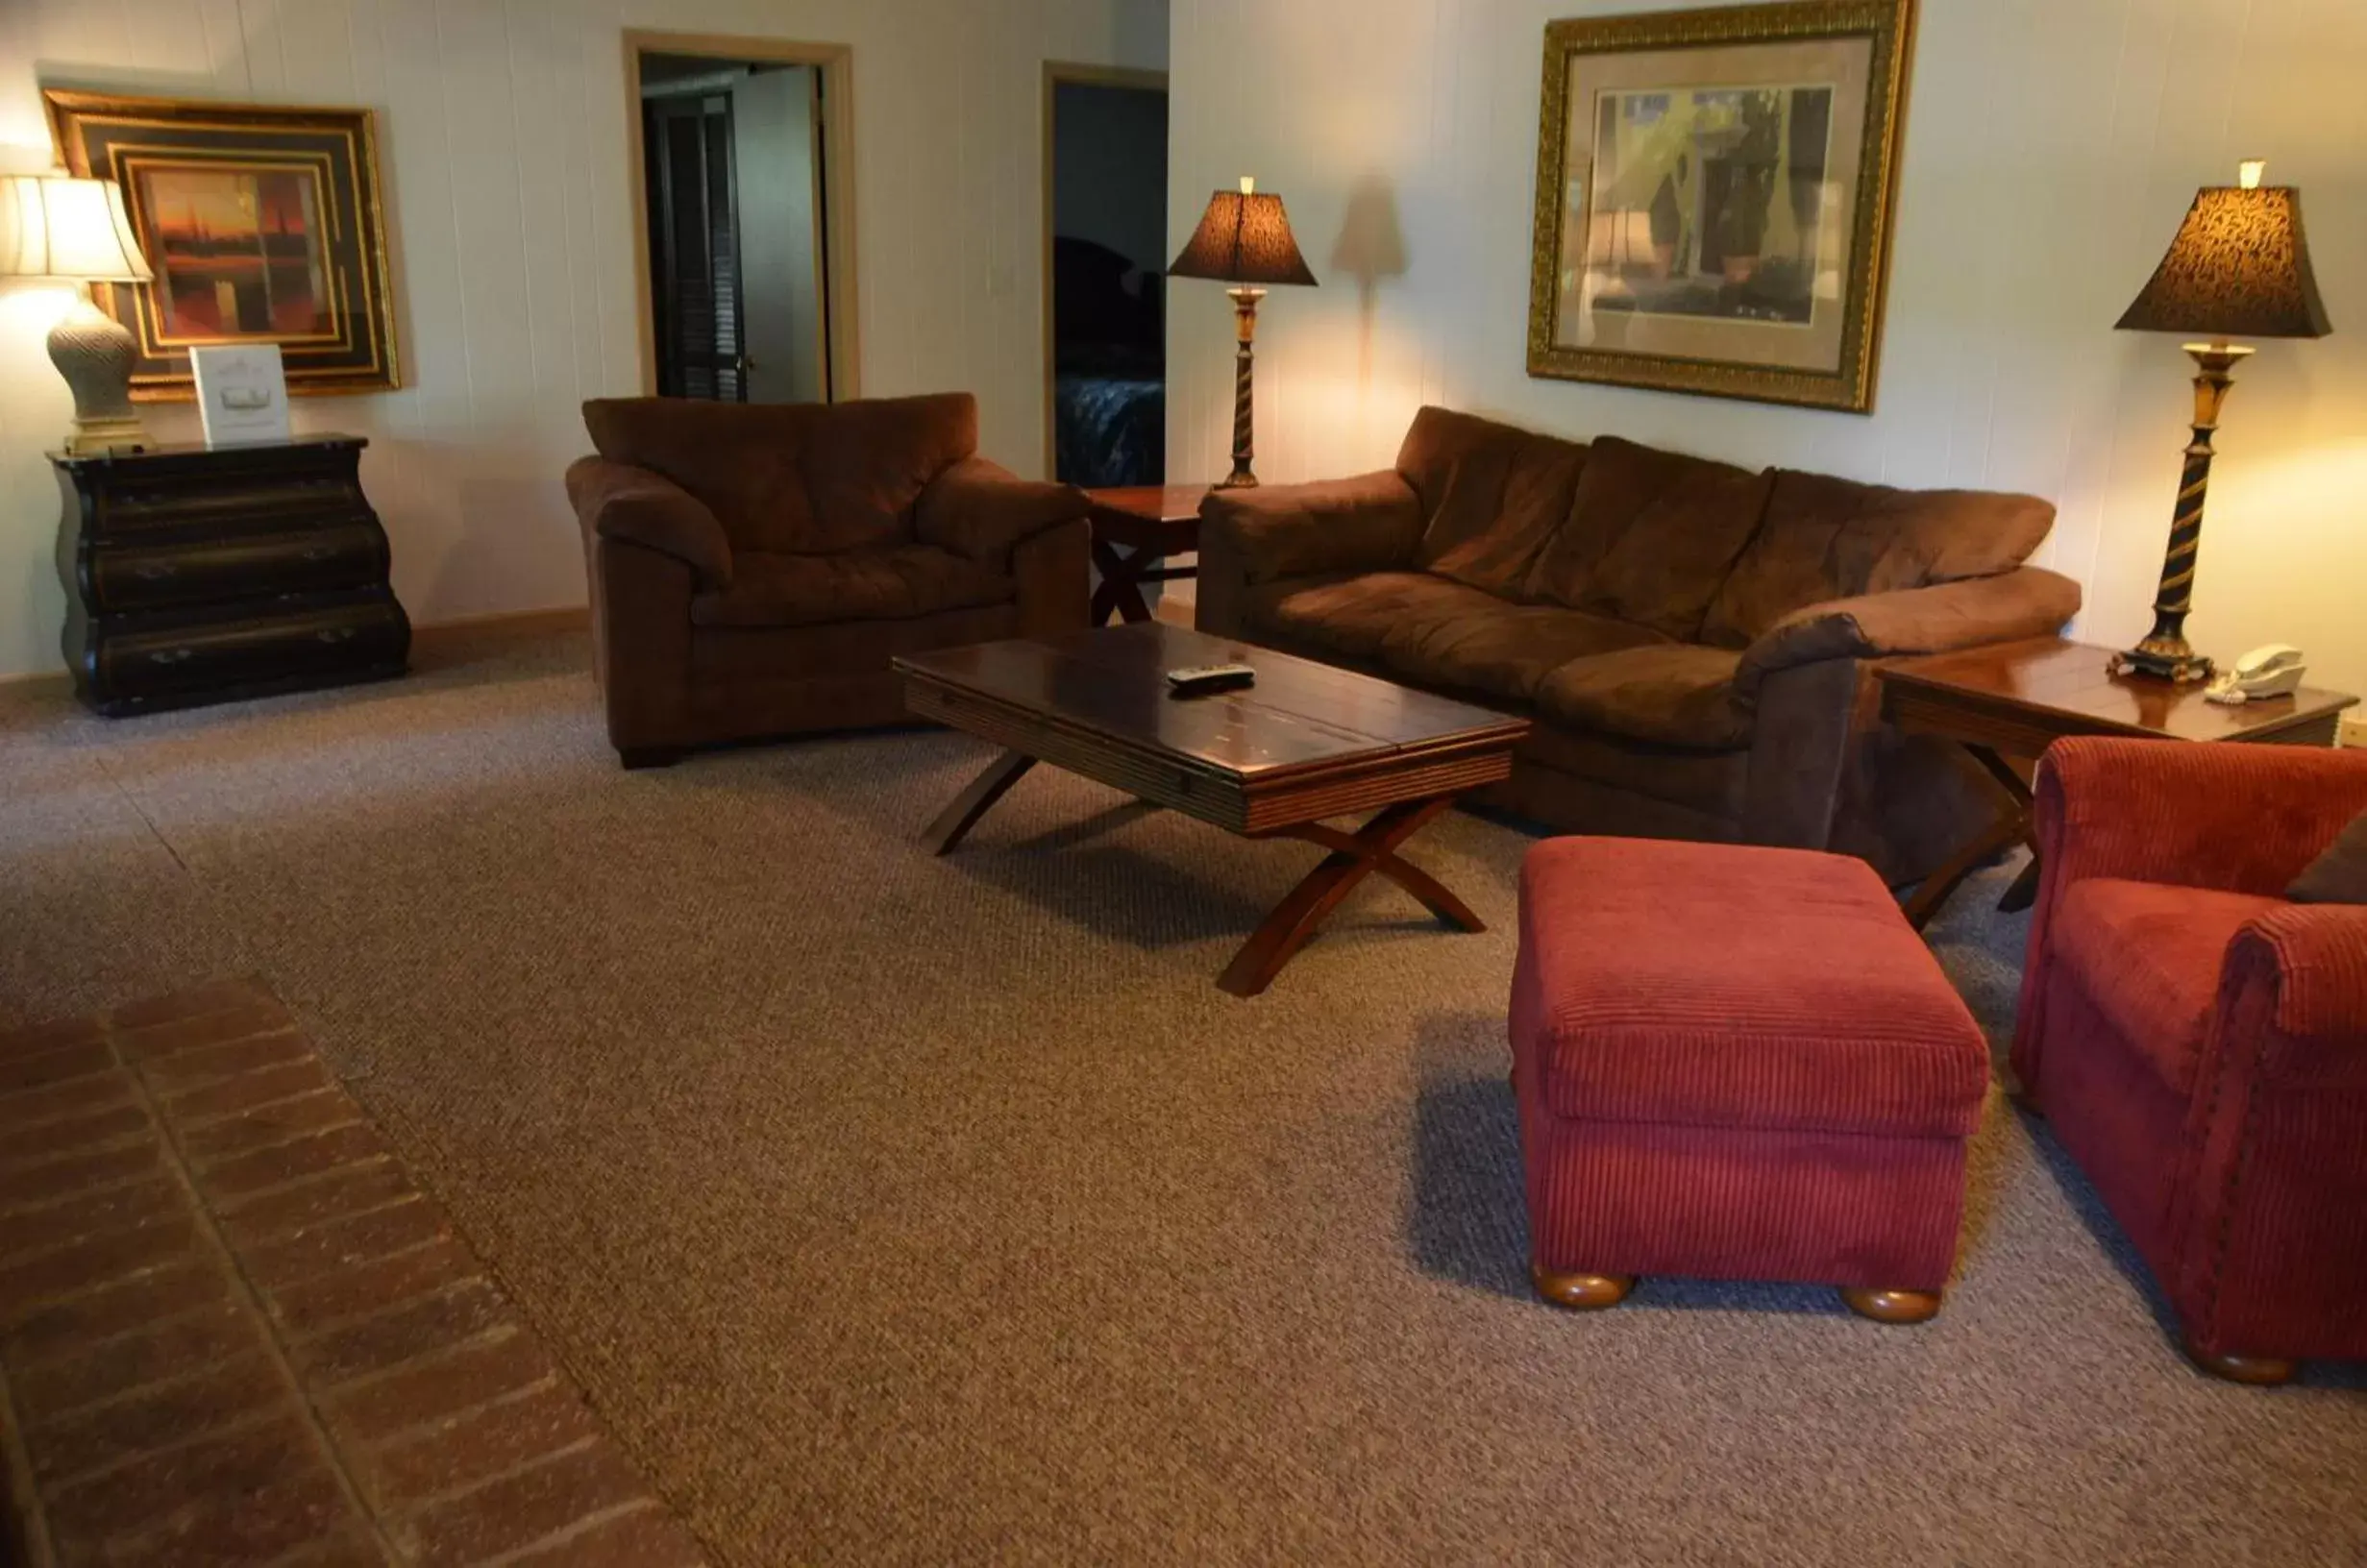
1300, 716
2066, 688
1152, 502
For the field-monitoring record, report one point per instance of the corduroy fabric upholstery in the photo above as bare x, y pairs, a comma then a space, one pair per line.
2242, 1176
754, 568
1736, 1061
2149, 955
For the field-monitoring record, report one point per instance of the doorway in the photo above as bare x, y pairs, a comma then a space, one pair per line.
1105, 275
740, 167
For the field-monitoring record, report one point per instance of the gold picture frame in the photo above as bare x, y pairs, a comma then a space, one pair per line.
1716, 192
263, 224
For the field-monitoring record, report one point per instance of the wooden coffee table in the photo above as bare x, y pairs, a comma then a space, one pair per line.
1306, 744
2002, 706
1151, 524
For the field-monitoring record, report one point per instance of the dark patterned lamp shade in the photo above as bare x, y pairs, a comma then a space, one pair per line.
1243, 237
2238, 268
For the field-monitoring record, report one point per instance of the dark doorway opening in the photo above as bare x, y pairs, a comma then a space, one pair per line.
739, 288
1105, 163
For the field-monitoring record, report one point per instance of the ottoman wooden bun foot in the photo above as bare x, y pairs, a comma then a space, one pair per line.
1893, 1306
1581, 1293
2259, 1371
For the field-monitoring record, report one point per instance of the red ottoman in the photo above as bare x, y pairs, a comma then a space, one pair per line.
1735, 1063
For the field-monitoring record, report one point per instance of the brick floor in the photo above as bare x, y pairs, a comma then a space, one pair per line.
233, 1331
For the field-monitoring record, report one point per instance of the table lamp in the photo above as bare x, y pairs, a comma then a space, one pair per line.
2238, 268
1243, 239
69, 230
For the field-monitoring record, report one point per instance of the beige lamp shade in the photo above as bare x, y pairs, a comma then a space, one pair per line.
59, 227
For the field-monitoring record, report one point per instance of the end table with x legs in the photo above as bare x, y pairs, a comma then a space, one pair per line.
2002, 706
1137, 530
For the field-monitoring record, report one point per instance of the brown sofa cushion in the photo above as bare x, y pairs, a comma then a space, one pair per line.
794, 477
1676, 693
1491, 494
1500, 652
1651, 536
1829, 538
1352, 617
896, 583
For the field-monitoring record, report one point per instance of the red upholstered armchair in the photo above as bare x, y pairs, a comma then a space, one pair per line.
2199, 1043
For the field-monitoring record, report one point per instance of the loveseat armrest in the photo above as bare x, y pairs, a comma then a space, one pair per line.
981, 510
616, 500
2027, 601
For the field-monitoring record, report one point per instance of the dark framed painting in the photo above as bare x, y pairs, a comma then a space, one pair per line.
262, 224
1714, 192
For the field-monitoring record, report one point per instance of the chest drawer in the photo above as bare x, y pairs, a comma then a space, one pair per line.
163, 662
158, 575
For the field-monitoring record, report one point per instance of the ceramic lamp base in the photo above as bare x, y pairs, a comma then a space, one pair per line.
95, 356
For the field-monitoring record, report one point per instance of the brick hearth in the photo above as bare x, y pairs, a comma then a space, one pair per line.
232, 1330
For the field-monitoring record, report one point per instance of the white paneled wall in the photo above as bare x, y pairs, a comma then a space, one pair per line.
2051, 148
503, 146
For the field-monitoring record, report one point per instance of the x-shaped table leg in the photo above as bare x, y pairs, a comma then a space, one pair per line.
2015, 824
1121, 590
1354, 856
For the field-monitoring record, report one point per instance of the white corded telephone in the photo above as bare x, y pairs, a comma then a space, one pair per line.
2272, 670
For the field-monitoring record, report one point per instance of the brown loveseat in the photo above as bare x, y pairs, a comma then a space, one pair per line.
755, 568
1692, 638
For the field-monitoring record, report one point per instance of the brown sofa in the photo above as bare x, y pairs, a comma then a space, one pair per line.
1692, 638
755, 568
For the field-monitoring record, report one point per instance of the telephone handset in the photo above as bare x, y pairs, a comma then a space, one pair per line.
2272, 670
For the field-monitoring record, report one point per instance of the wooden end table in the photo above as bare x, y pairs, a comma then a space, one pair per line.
1151, 524
1306, 744
2002, 706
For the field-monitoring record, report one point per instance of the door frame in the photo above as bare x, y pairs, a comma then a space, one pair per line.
1055, 73
834, 63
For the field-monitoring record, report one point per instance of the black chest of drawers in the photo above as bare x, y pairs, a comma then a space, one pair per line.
202, 574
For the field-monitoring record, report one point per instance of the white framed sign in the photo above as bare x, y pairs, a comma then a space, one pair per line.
241, 393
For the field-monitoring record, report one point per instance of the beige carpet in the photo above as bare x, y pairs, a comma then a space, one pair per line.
898, 1209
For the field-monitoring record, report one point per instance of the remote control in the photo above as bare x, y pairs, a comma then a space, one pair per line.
1197, 680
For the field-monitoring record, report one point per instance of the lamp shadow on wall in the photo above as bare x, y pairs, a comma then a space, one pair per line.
1371, 248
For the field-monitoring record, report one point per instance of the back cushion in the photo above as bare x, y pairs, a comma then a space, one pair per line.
1492, 496
1828, 538
807, 479
1651, 536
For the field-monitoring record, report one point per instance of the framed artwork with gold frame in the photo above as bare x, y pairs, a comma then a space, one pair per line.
1714, 194
262, 224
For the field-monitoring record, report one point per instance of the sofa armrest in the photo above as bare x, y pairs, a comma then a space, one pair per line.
2027, 601
1367, 524
980, 509
616, 500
